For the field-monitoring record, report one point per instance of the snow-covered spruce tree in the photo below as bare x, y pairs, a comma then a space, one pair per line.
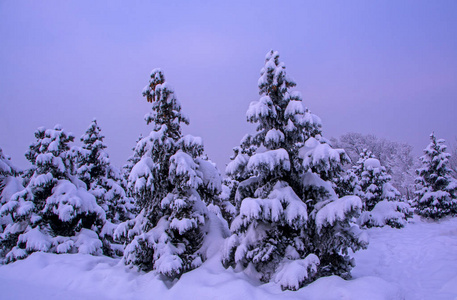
131, 162
436, 190
381, 201
101, 177
236, 172
54, 213
291, 227
167, 235
395, 157
10, 183
104, 182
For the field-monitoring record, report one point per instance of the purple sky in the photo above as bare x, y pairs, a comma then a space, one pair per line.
387, 68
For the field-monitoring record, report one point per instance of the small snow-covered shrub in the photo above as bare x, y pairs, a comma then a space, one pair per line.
369, 180
436, 189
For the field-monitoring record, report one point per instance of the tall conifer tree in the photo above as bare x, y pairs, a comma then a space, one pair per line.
291, 226
167, 180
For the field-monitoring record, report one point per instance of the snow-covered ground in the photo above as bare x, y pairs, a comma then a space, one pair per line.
416, 262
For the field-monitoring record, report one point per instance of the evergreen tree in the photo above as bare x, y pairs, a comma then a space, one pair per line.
381, 201
54, 212
374, 183
103, 179
9, 178
291, 226
436, 190
10, 183
167, 181
104, 182
236, 172
94, 161
131, 162
395, 157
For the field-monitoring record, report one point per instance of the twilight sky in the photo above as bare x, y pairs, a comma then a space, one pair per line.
387, 68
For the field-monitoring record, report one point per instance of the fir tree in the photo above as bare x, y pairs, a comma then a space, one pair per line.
436, 190
291, 227
374, 183
9, 176
381, 201
94, 161
103, 179
131, 162
104, 182
54, 212
10, 183
236, 172
167, 181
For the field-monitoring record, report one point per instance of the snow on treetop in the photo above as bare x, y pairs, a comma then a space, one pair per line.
273, 75
271, 54
271, 160
372, 163
157, 77
157, 74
